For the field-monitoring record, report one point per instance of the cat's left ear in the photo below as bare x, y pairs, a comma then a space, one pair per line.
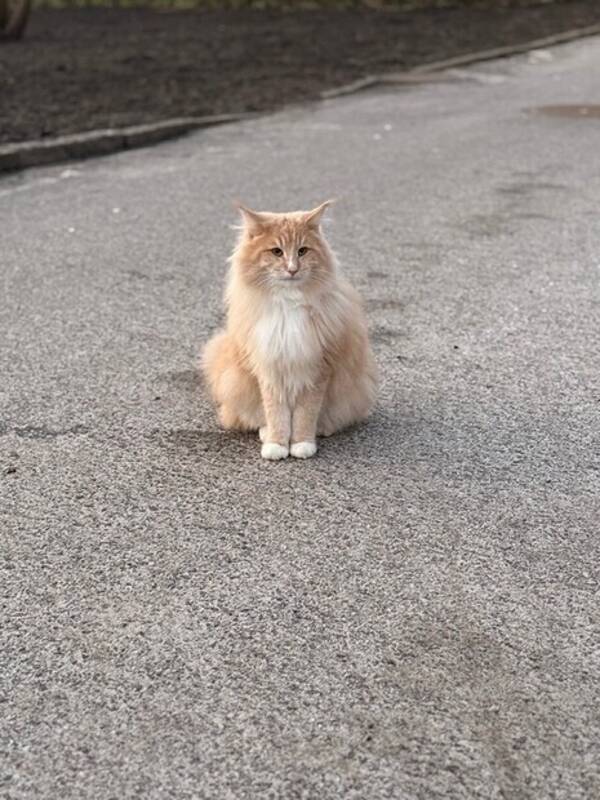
313, 218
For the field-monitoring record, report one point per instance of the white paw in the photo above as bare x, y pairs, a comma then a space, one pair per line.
303, 449
262, 433
274, 451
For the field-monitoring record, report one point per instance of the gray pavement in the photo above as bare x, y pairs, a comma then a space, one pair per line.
413, 613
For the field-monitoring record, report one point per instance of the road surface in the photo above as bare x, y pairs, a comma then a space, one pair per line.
412, 614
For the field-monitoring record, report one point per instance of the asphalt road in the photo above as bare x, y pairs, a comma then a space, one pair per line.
413, 613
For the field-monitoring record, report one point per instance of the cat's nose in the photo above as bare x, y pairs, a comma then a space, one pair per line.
292, 268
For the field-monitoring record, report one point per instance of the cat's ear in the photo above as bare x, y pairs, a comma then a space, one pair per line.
254, 221
313, 218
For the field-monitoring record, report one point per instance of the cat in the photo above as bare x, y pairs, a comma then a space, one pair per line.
294, 361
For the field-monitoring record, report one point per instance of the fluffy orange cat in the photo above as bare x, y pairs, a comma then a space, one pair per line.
294, 361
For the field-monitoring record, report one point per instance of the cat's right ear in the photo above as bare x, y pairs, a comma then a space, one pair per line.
254, 221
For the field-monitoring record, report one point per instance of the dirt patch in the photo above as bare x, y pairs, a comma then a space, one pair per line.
42, 431
570, 111
79, 69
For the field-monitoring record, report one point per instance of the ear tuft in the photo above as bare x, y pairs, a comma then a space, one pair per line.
313, 218
254, 221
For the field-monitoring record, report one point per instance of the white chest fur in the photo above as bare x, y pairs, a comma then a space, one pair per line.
284, 333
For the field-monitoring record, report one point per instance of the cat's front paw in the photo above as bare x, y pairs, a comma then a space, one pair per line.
303, 449
273, 451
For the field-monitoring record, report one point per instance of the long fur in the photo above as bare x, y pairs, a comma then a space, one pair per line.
294, 359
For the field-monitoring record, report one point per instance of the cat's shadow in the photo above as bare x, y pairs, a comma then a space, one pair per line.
356, 441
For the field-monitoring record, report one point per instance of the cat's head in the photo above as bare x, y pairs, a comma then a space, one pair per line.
283, 250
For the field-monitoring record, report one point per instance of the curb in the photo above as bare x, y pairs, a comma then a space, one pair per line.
410, 78
40, 152
422, 73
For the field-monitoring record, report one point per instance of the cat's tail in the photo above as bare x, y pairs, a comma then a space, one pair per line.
210, 360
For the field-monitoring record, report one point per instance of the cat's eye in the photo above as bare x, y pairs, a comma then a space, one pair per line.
302, 251
277, 251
